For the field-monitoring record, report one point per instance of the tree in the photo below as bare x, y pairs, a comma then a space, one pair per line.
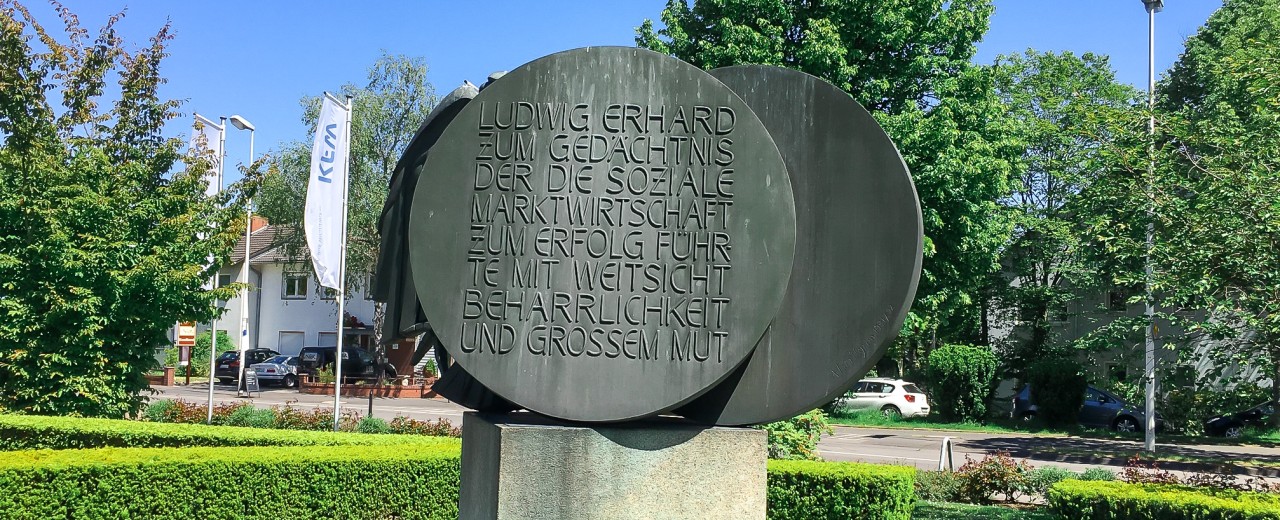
909, 63
962, 379
1053, 100
387, 111
1218, 197
102, 249
1214, 193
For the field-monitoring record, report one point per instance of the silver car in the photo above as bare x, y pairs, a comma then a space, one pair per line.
279, 369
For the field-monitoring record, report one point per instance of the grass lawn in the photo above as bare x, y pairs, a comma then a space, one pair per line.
947, 511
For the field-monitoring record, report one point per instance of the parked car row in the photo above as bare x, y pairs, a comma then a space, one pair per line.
272, 367
1101, 409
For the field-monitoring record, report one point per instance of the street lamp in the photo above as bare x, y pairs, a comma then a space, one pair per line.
242, 124
1149, 372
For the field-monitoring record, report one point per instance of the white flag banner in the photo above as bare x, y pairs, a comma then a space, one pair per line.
207, 139
326, 193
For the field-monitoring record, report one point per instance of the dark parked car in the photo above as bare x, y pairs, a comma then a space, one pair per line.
1233, 425
1101, 409
227, 368
357, 363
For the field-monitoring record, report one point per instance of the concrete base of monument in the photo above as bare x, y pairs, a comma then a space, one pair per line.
522, 466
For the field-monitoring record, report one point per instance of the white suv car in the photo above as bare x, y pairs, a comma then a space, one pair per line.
893, 397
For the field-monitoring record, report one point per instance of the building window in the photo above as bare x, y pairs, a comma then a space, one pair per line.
325, 292
1117, 301
328, 339
368, 288
1117, 372
295, 286
224, 280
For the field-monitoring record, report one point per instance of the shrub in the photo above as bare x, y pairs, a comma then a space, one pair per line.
159, 411
31, 432
245, 482
438, 427
1098, 474
372, 425
938, 486
251, 417
1037, 481
1106, 500
797, 438
1057, 389
992, 475
962, 378
805, 489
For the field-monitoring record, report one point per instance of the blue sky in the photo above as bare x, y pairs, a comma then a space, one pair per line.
256, 59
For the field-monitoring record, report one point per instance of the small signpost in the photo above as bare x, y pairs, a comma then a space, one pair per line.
186, 341
251, 382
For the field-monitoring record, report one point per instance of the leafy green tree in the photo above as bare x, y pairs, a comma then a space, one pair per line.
1218, 187
962, 379
1214, 197
387, 110
909, 63
1053, 100
102, 248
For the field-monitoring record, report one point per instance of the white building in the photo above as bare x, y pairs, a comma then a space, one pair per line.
288, 309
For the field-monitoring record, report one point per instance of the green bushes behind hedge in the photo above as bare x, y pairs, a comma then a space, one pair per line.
808, 489
357, 482
31, 432
1107, 500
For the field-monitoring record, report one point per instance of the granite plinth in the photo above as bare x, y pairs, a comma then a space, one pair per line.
525, 467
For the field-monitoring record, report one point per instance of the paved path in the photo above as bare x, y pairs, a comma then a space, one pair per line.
918, 448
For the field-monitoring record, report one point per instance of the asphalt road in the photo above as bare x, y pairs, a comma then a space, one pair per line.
918, 448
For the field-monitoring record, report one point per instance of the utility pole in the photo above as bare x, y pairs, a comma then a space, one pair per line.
1149, 373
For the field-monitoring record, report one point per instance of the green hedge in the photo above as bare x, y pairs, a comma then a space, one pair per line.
232, 472
32, 432
1106, 500
358, 482
808, 489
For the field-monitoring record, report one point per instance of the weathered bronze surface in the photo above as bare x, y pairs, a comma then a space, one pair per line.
858, 251
605, 234
392, 285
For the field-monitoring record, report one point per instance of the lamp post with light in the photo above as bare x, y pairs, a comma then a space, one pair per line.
1149, 372
242, 124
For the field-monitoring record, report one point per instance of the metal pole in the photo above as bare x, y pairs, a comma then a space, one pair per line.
244, 274
213, 331
342, 278
1149, 438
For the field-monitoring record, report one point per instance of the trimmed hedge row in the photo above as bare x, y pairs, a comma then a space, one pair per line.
32, 432
358, 482
1107, 500
809, 489
233, 472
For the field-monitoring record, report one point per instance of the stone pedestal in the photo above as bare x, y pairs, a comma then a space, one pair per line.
525, 467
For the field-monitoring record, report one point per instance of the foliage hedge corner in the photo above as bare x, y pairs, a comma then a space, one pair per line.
802, 489
1107, 500
32, 432
357, 482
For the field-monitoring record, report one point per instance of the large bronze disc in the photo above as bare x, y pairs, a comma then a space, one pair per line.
858, 251
602, 234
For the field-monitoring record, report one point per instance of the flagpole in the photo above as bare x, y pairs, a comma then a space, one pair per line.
213, 331
342, 277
